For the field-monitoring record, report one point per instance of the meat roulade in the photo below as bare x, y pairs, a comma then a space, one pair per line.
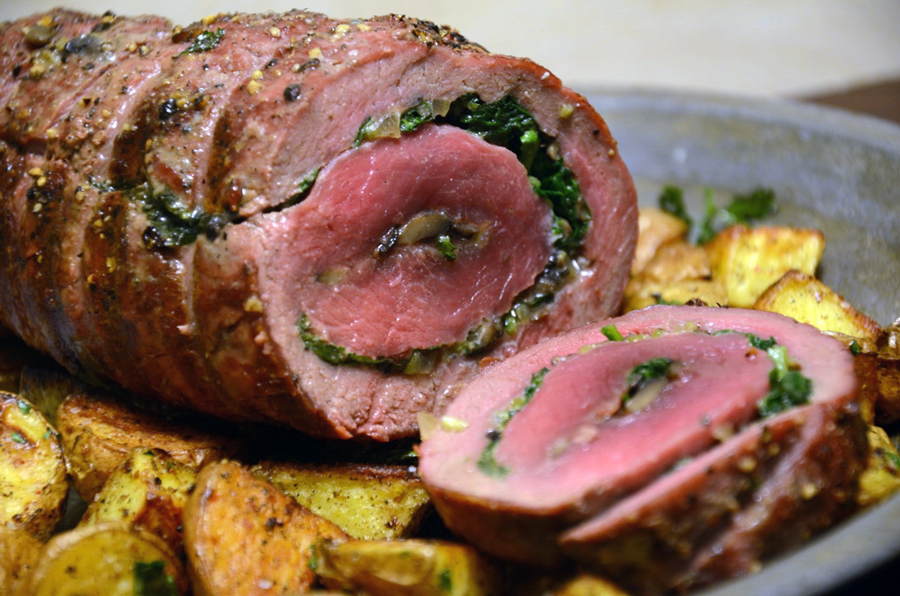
287, 217
700, 442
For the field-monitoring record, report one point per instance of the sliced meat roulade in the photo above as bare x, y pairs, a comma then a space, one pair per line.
286, 217
666, 448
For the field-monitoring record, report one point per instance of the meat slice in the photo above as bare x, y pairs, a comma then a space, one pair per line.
328, 224
658, 459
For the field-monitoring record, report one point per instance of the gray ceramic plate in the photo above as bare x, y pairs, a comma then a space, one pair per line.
830, 170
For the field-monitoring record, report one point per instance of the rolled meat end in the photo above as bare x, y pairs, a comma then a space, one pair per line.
667, 448
326, 224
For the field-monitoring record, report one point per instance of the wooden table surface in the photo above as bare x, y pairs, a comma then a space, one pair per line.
879, 99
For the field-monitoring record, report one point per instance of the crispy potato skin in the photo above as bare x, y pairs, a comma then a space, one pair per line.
100, 559
148, 490
410, 568
750, 260
881, 478
19, 552
99, 432
368, 502
655, 229
33, 485
808, 300
273, 537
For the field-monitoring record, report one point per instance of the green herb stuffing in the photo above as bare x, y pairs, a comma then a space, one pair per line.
171, 222
204, 42
487, 462
150, 579
446, 248
417, 363
640, 375
612, 333
507, 124
787, 388
855, 348
793, 389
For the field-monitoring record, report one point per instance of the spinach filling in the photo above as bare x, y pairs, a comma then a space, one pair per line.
487, 462
788, 387
507, 124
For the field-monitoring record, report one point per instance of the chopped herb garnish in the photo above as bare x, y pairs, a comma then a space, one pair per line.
313, 563
893, 460
18, 438
445, 581
743, 208
488, 463
24, 406
612, 333
671, 200
204, 42
855, 348
151, 579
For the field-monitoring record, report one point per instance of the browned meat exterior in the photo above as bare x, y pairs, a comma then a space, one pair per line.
327, 224
683, 453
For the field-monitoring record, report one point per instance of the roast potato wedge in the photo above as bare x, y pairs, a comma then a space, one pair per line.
33, 485
244, 536
19, 552
881, 478
588, 585
109, 559
747, 261
808, 300
148, 490
655, 228
368, 502
98, 432
709, 292
409, 568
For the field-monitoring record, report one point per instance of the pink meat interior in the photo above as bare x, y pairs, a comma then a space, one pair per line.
413, 296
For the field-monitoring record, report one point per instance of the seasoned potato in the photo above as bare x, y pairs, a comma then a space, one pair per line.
46, 385
588, 585
19, 552
678, 292
655, 228
808, 300
99, 432
108, 559
148, 490
244, 536
881, 478
367, 502
887, 365
409, 568
747, 261
33, 483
